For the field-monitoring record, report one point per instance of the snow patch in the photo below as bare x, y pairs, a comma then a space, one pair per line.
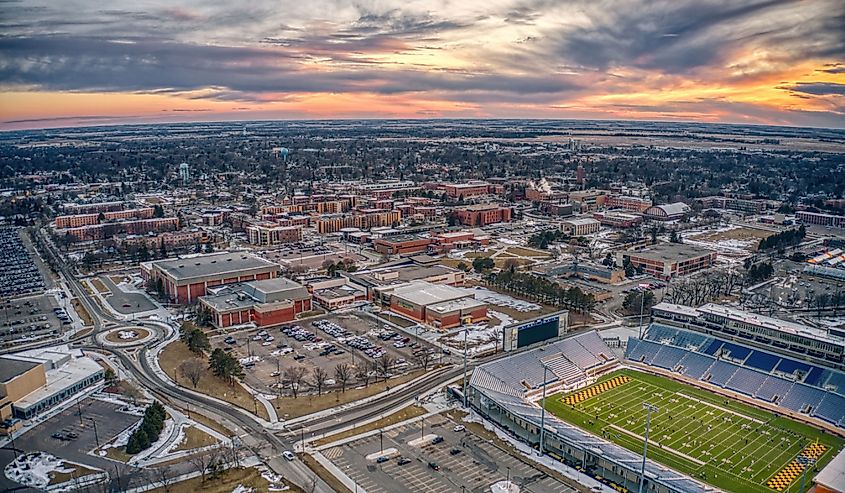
242, 489
36, 469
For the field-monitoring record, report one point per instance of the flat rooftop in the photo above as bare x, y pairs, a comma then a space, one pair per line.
400, 275
11, 368
213, 264
670, 252
75, 371
425, 293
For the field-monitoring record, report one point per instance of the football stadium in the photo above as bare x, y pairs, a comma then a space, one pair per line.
734, 407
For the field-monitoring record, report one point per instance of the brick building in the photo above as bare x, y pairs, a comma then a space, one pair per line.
438, 305
266, 303
186, 279
668, 260
483, 214
265, 234
635, 204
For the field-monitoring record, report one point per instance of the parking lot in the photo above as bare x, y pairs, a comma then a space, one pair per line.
461, 461
30, 319
126, 302
110, 422
309, 256
20, 274
324, 342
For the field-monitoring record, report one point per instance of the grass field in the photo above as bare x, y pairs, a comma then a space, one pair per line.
721, 441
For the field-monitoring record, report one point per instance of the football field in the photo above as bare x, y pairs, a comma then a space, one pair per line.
718, 440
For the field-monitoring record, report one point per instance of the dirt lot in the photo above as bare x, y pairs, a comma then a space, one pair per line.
101, 288
224, 483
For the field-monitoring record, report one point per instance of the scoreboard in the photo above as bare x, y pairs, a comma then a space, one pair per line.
536, 330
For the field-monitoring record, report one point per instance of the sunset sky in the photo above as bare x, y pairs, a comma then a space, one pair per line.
78, 62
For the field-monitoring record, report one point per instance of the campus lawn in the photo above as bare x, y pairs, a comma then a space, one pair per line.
718, 440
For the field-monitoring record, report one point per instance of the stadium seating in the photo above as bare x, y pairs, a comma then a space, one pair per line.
695, 365
721, 372
668, 357
831, 408
762, 361
713, 347
578, 354
661, 333
802, 396
746, 381
837, 381
816, 376
773, 388
735, 352
564, 369
790, 366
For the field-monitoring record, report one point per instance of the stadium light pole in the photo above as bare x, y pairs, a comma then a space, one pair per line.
464, 390
650, 408
806, 462
642, 304
543, 412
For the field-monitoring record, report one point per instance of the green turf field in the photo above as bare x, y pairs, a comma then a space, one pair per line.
723, 442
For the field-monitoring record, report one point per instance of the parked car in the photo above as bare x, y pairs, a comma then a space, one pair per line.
287, 454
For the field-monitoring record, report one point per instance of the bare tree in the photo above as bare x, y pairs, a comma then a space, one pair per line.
362, 373
319, 377
192, 369
342, 373
423, 359
163, 477
385, 364
294, 376
202, 461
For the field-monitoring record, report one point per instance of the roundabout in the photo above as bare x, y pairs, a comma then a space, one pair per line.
125, 336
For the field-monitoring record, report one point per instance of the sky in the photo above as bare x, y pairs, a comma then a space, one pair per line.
81, 62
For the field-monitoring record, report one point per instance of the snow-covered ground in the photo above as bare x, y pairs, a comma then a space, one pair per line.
121, 439
127, 334
36, 469
480, 337
493, 298
249, 359
242, 489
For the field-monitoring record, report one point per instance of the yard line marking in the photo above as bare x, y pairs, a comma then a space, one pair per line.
639, 437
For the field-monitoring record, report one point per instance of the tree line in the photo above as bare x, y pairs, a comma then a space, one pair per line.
543, 290
149, 430
790, 237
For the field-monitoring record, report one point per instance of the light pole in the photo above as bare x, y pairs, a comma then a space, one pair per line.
466, 331
650, 408
806, 462
543, 412
642, 304
96, 435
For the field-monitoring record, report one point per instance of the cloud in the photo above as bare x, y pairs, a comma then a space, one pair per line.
818, 88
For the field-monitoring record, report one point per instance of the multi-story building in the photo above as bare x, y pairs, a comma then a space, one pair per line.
265, 234
462, 191
183, 280
821, 219
668, 260
172, 240
483, 214
627, 202
134, 227
78, 220
747, 206
401, 245
363, 219
556, 208
95, 208
379, 283
588, 200
580, 226
617, 219
265, 303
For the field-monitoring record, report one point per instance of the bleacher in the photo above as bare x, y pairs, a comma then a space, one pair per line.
831, 408
564, 369
675, 337
668, 357
800, 397
762, 361
816, 376
746, 381
720, 373
790, 366
773, 389
735, 352
695, 365
713, 347
836, 381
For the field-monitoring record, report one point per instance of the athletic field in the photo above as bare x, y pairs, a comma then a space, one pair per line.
721, 441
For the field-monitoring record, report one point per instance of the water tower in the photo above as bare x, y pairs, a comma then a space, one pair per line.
184, 173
